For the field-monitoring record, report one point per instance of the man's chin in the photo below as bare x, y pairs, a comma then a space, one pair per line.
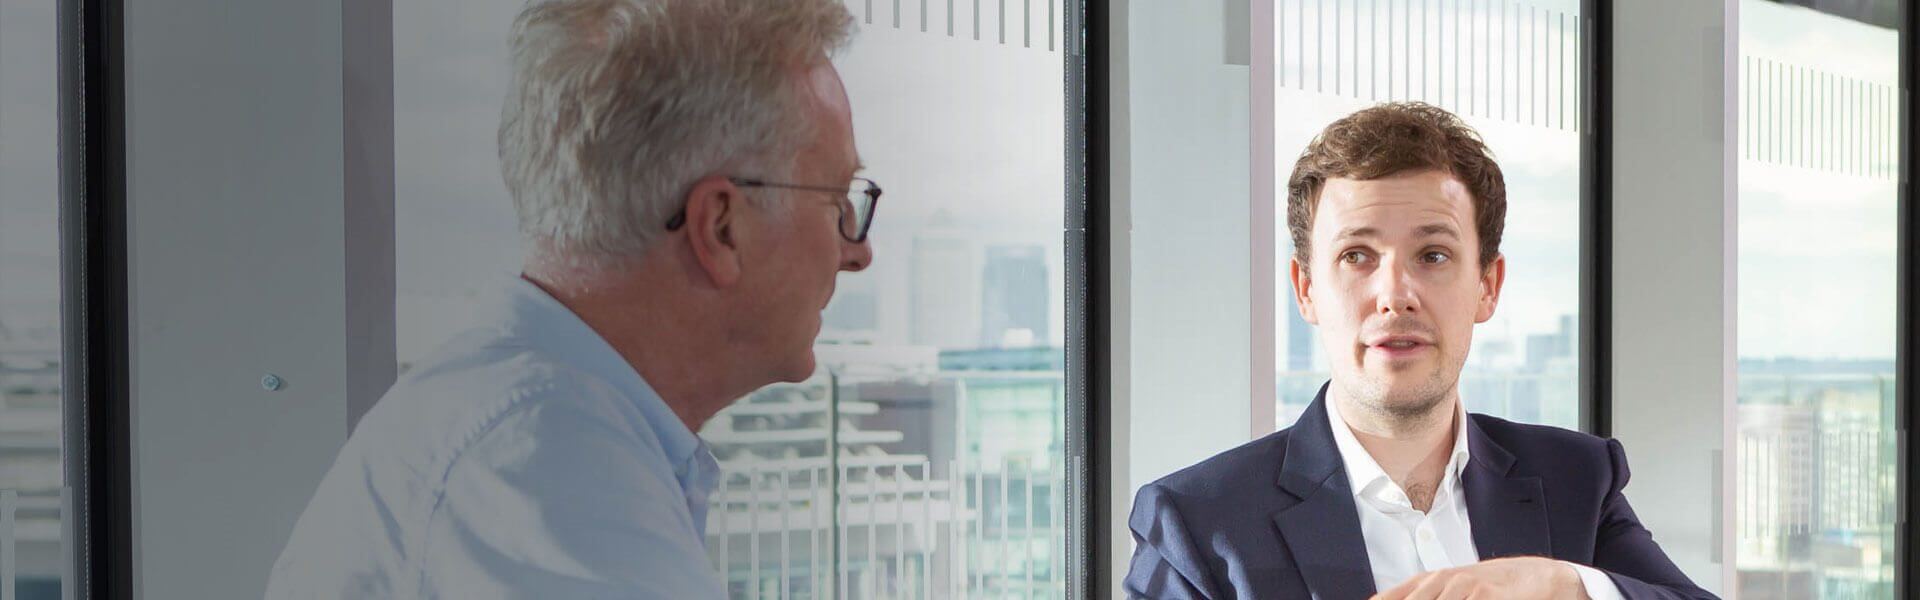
1404, 390
802, 369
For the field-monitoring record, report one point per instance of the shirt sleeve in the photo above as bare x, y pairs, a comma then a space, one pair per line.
1599, 585
565, 498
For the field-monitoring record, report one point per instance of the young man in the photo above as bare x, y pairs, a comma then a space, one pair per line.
1386, 484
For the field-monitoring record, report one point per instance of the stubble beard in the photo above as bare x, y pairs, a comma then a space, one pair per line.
1406, 409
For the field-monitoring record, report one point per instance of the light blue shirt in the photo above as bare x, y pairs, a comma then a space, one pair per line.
523, 459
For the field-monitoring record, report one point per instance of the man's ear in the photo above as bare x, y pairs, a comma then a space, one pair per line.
712, 228
1302, 283
1491, 279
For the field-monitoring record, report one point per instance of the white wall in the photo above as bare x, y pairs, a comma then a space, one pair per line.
239, 221
1182, 173
1188, 187
1119, 428
1674, 189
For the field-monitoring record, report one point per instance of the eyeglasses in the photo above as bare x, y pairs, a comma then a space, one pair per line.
856, 205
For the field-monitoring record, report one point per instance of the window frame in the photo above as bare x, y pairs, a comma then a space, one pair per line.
1090, 501
1596, 222
96, 412
1907, 318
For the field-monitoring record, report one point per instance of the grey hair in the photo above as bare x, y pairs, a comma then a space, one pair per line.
617, 107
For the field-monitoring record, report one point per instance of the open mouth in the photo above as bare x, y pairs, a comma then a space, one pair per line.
1399, 346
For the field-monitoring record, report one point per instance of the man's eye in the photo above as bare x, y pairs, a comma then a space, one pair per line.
1353, 257
1436, 257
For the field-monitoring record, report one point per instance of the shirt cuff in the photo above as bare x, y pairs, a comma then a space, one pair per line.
1599, 585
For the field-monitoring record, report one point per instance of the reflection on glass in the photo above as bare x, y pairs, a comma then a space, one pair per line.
1817, 486
1511, 70
32, 500
924, 460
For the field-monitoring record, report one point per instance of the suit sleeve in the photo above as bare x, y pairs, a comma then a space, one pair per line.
1165, 563
1625, 550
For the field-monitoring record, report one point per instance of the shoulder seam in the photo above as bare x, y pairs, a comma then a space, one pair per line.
515, 399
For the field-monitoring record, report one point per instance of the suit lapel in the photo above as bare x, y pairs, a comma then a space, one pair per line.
1509, 512
1322, 531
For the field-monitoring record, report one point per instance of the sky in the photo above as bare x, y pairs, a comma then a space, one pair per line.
1817, 247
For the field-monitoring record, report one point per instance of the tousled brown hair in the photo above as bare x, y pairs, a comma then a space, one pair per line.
1391, 139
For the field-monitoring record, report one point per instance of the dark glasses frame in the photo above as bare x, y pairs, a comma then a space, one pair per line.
861, 226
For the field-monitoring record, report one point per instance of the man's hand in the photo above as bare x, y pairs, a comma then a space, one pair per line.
1528, 577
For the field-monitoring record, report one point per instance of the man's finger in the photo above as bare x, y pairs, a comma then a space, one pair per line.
1425, 586
1399, 592
1458, 588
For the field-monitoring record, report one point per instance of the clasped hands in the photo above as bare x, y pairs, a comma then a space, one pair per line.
1528, 577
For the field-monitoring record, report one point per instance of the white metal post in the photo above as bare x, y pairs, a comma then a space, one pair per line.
8, 499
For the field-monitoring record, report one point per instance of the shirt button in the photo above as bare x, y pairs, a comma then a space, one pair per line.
1426, 534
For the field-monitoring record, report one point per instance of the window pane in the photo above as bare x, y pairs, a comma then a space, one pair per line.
941, 389
32, 480
1511, 70
1817, 249
925, 457
453, 221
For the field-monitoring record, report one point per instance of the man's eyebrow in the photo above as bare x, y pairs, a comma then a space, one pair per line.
1423, 231
1357, 232
1436, 229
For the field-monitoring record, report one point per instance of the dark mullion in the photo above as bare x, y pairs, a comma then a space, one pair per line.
1596, 245
1907, 341
1089, 371
93, 308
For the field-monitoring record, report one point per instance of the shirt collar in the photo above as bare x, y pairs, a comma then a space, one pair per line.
529, 313
1364, 475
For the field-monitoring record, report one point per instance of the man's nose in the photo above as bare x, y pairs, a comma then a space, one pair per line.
855, 256
1394, 290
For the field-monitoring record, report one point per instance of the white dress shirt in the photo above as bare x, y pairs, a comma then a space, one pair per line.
523, 459
1403, 542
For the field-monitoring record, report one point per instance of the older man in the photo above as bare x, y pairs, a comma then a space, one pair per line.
684, 174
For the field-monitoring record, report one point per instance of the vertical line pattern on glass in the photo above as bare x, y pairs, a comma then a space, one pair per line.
1793, 109
1373, 47
1510, 61
1423, 47
1002, 24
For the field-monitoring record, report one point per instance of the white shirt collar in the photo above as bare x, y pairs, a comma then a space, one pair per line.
1364, 475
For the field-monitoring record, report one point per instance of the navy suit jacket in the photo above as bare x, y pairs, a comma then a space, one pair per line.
1275, 518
